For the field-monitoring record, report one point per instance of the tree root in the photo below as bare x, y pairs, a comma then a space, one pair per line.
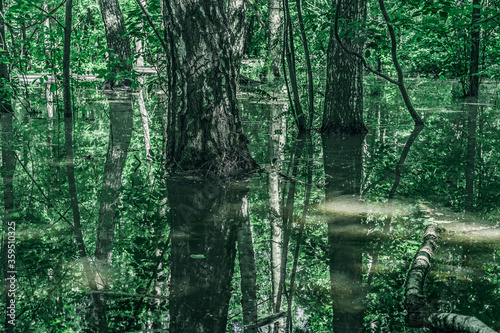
415, 302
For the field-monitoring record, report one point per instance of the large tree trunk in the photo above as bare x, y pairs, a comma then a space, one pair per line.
118, 42
119, 141
203, 129
343, 112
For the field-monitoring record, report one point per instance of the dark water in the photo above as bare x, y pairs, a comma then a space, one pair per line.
344, 215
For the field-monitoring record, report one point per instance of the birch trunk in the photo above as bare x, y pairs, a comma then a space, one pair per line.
275, 22
277, 129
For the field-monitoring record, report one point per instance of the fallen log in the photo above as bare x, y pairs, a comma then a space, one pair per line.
419, 313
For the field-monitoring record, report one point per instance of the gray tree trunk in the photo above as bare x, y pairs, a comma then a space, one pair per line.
274, 47
204, 133
277, 129
419, 311
343, 112
118, 42
139, 45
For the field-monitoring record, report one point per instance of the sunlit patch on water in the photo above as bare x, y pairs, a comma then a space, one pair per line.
353, 206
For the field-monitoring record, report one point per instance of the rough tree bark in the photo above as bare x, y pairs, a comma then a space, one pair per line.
343, 111
204, 133
118, 41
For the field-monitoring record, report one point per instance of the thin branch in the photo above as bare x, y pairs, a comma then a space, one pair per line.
357, 55
150, 21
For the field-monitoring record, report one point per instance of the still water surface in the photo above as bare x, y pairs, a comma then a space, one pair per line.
329, 226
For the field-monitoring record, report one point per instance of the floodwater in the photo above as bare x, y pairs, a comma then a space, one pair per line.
320, 240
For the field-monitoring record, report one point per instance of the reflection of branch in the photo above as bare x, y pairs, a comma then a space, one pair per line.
154, 275
399, 167
49, 203
301, 234
357, 55
400, 80
288, 219
268, 320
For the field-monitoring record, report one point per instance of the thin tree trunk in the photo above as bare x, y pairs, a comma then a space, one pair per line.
276, 156
298, 113
48, 93
139, 45
120, 53
471, 155
119, 141
275, 20
475, 46
308, 63
401, 85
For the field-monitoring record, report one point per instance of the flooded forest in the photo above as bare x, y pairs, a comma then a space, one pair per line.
250, 166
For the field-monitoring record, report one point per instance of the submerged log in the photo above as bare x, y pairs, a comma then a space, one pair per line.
419, 312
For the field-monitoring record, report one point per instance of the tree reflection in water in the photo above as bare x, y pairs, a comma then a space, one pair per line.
206, 218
